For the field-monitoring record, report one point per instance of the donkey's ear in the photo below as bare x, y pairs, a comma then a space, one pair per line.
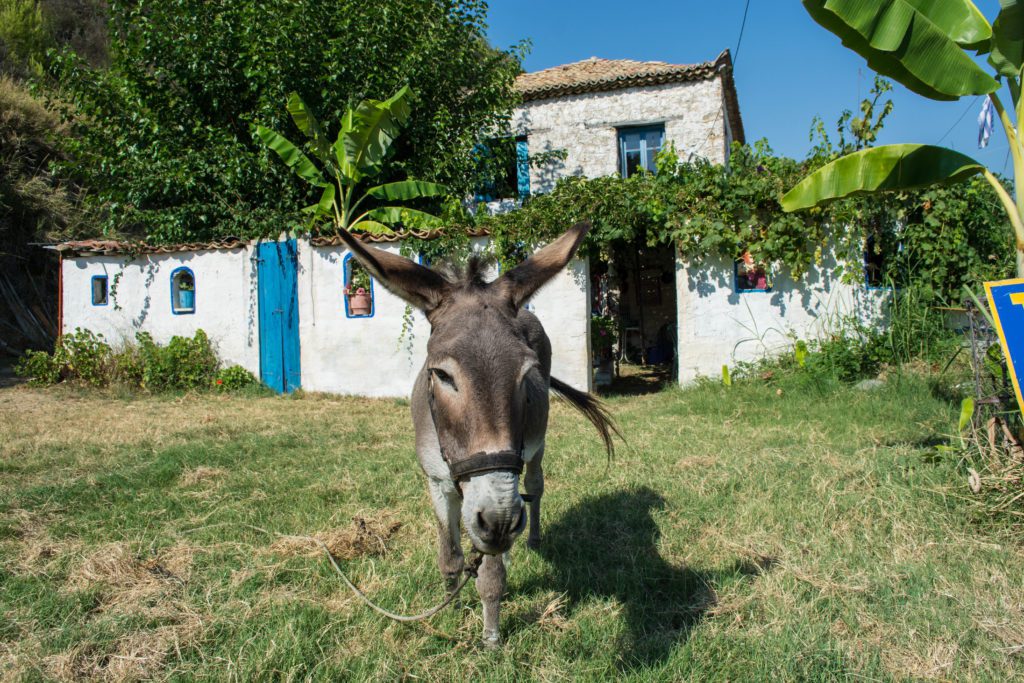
521, 282
420, 286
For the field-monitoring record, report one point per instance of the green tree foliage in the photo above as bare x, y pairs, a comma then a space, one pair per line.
164, 135
34, 204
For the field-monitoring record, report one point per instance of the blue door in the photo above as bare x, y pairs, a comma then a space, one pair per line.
279, 315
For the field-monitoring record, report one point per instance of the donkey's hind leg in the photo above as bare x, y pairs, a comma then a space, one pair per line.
534, 483
447, 507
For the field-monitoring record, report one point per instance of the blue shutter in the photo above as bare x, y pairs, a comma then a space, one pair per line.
523, 168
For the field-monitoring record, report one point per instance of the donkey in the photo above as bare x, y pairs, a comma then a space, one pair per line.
480, 404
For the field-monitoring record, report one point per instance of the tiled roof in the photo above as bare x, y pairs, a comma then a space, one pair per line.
599, 75
110, 247
113, 247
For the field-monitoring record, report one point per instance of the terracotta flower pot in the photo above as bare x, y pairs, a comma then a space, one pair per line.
359, 303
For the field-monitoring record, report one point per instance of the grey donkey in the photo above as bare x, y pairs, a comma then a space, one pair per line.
480, 404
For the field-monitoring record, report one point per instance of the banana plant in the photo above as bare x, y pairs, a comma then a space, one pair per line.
926, 46
358, 154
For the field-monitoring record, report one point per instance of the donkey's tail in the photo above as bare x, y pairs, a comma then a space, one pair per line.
593, 408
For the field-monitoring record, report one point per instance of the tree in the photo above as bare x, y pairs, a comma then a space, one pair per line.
924, 46
359, 153
165, 133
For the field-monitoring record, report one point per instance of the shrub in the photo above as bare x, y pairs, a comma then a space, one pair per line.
183, 364
81, 356
234, 378
84, 357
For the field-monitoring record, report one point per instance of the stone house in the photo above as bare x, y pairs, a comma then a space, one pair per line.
283, 309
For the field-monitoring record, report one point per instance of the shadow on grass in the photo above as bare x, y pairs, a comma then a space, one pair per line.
639, 380
607, 547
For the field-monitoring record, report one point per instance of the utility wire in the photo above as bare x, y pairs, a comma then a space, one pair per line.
955, 123
743, 25
735, 55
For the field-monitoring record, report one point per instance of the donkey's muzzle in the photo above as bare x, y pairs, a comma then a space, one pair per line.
482, 463
498, 531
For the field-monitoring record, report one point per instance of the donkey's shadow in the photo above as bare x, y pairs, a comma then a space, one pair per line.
606, 547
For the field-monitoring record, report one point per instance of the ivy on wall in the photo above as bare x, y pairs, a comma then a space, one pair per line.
940, 238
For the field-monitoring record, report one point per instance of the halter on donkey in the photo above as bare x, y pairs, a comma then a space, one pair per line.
480, 403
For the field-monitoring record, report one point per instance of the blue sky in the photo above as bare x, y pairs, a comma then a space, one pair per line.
787, 70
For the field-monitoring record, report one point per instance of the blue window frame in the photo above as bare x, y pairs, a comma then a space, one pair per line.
749, 276
355, 305
510, 180
183, 291
100, 290
639, 147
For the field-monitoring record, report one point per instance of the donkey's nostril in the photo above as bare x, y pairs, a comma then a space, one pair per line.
482, 521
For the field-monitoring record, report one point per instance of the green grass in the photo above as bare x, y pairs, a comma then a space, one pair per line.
762, 531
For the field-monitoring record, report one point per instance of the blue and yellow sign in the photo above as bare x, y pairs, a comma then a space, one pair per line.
1006, 300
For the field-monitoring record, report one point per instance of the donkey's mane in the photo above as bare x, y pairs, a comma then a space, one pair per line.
470, 275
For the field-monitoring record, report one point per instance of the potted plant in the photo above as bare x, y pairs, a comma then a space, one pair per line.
186, 293
357, 293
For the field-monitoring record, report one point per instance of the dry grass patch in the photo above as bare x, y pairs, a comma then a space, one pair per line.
137, 656
130, 583
200, 475
363, 537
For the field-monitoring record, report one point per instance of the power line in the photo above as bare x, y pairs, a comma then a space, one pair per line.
743, 25
736, 53
969, 107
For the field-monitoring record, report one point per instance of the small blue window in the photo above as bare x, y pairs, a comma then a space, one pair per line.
638, 148
750, 276
358, 289
100, 290
183, 291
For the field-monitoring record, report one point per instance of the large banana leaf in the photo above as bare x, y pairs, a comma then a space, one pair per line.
292, 156
889, 167
1008, 39
375, 125
410, 218
404, 190
912, 41
322, 207
306, 121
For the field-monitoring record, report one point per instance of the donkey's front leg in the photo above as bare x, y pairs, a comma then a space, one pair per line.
534, 483
490, 584
447, 507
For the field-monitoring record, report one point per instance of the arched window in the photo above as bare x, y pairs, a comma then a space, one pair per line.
358, 290
183, 291
100, 290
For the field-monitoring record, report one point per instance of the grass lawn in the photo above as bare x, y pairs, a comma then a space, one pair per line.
761, 531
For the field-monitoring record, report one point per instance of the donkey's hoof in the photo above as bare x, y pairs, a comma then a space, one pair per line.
533, 542
491, 639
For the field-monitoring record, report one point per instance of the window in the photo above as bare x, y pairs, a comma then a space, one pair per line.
503, 166
750, 276
99, 290
358, 290
183, 291
638, 148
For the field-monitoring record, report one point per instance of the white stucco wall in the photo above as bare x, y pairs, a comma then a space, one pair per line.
343, 355
226, 300
585, 126
719, 325
364, 356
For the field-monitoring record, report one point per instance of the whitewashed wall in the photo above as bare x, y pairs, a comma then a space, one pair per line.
364, 356
226, 300
585, 126
719, 325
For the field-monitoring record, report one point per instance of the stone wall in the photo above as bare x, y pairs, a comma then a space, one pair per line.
585, 126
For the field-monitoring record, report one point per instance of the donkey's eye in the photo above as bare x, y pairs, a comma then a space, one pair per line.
444, 377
